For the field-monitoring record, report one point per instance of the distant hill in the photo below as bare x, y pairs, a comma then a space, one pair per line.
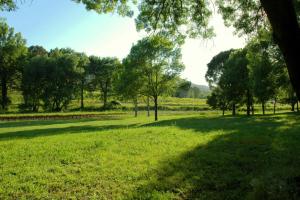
203, 88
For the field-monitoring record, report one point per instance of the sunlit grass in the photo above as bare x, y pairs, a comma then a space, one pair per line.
181, 156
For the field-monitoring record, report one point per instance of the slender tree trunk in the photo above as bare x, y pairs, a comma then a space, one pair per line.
223, 111
4, 93
81, 95
248, 102
263, 107
252, 109
274, 108
148, 106
233, 109
297, 106
286, 33
156, 107
105, 99
293, 107
135, 101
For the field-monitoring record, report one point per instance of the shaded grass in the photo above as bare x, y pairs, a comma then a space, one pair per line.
179, 157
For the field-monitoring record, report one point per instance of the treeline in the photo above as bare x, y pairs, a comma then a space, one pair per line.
50, 80
253, 75
186, 89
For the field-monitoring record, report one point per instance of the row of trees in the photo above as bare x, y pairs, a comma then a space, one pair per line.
186, 89
254, 74
52, 79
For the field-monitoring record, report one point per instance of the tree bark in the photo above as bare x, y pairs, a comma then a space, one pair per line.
156, 108
135, 101
4, 93
263, 107
293, 106
233, 109
223, 111
248, 103
286, 33
81, 95
148, 106
274, 108
252, 109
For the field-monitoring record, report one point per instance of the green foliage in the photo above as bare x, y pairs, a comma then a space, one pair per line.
34, 82
261, 70
171, 15
12, 58
218, 100
61, 80
183, 88
51, 79
7, 5
159, 63
216, 67
104, 73
36, 51
152, 68
247, 16
122, 7
235, 79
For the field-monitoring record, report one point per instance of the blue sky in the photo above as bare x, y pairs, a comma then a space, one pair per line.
63, 23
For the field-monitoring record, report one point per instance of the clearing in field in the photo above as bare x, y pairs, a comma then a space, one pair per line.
182, 157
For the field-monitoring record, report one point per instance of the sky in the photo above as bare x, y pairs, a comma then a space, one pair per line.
64, 23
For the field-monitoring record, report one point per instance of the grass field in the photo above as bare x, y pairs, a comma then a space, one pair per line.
183, 156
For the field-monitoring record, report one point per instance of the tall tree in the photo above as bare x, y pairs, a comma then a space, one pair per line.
82, 71
104, 72
34, 82
158, 65
61, 78
235, 78
262, 71
131, 85
12, 57
216, 67
246, 16
283, 16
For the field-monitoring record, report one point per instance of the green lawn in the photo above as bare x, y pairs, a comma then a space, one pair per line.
188, 156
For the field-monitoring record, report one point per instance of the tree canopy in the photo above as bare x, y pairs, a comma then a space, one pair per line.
152, 66
12, 57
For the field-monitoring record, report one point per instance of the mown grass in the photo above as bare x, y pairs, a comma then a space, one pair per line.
93, 103
180, 157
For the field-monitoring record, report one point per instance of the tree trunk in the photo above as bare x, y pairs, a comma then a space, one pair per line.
293, 106
81, 95
148, 106
297, 106
135, 101
248, 103
252, 109
263, 107
223, 111
4, 93
105, 99
274, 108
156, 108
233, 109
286, 33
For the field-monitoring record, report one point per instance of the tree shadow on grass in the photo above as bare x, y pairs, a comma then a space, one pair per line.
255, 158
23, 123
86, 129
